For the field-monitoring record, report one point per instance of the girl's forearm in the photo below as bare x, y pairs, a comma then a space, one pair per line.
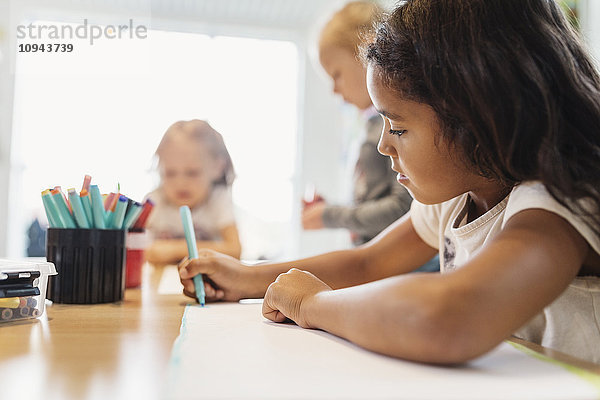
231, 249
162, 252
400, 317
338, 269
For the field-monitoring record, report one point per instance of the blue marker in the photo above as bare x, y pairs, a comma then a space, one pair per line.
190, 238
132, 215
119, 214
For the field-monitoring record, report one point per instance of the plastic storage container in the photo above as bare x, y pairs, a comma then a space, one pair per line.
23, 288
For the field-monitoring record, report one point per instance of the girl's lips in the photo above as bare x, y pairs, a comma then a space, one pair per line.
401, 178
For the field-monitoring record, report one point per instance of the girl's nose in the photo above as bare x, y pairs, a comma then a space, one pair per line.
336, 88
337, 85
384, 146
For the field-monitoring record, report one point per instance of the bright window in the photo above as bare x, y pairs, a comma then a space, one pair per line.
106, 120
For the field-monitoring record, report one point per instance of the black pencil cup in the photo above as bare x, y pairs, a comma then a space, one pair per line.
90, 265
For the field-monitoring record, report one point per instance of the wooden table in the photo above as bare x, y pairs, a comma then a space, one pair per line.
107, 351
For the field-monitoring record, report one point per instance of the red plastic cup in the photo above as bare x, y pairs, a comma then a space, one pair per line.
135, 243
133, 271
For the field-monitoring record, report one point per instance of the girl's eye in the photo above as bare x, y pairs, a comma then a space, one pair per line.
398, 132
192, 173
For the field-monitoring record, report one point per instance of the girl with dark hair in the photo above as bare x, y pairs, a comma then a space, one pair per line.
491, 113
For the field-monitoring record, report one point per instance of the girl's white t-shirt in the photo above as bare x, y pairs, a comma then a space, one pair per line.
209, 217
571, 323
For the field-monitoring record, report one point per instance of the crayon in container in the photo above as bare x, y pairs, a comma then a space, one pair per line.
23, 287
90, 265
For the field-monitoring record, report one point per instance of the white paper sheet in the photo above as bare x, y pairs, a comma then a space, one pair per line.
229, 351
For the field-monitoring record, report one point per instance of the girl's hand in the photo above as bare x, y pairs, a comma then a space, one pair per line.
312, 216
316, 198
225, 278
164, 251
289, 296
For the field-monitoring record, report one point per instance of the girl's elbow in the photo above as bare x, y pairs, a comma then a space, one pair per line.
451, 336
455, 346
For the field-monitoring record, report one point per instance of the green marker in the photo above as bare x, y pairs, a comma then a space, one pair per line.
78, 212
190, 238
109, 217
87, 207
51, 210
97, 207
63, 209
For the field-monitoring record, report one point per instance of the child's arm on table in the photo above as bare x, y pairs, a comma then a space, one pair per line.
170, 251
384, 256
446, 318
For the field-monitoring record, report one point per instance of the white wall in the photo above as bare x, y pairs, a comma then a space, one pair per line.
322, 139
323, 154
320, 135
6, 107
590, 26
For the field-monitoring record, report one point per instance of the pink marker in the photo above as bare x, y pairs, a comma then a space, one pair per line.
110, 201
86, 183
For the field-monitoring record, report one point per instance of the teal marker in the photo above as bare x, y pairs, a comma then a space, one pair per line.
132, 215
51, 221
51, 211
78, 212
109, 217
97, 207
63, 209
87, 208
190, 238
119, 214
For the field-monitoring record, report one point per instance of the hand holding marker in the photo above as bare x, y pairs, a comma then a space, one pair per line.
190, 238
87, 210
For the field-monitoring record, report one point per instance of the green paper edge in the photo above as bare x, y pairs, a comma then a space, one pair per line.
590, 377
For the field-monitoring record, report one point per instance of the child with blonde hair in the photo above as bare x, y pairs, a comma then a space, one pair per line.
378, 199
195, 170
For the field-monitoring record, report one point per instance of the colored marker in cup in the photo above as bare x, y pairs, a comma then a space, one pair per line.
119, 213
78, 211
63, 209
97, 207
54, 218
190, 238
87, 206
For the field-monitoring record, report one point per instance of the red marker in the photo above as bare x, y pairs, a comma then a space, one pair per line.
140, 223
